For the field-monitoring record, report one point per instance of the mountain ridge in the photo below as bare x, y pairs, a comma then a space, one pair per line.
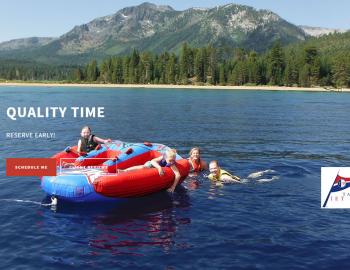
158, 28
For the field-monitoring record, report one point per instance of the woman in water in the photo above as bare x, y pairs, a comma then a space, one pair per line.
197, 164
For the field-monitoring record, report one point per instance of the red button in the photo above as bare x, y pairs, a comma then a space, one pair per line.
30, 167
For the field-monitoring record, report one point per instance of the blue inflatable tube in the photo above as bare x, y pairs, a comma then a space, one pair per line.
82, 182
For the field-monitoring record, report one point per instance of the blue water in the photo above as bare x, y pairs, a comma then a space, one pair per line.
276, 141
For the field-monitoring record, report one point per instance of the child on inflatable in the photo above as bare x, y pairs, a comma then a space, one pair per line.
86, 144
166, 160
88, 141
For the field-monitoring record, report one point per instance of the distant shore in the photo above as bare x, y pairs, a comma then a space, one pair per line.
170, 86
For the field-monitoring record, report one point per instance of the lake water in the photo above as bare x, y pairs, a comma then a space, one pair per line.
276, 141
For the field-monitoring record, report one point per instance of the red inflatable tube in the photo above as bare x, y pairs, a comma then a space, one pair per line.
139, 182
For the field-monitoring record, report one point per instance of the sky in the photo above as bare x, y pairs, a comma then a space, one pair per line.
52, 18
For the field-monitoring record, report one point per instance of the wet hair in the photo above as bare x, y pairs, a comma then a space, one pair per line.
87, 128
195, 148
214, 162
170, 153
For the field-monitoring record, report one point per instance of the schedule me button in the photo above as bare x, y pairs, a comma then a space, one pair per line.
30, 167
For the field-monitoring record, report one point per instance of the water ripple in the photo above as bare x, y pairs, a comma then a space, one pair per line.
276, 141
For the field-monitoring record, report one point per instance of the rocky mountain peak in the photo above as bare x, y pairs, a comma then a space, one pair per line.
150, 27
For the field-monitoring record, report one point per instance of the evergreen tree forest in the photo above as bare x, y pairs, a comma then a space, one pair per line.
11, 70
303, 65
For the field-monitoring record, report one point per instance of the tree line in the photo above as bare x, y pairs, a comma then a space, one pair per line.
302, 66
30, 71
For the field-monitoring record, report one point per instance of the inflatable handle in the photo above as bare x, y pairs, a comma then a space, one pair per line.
148, 144
129, 151
68, 149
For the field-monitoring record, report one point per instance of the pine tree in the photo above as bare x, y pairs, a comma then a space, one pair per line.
171, 69
118, 72
134, 75
222, 77
184, 63
78, 75
311, 67
126, 69
341, 71
275, 64
253, 68
291, 74
106, 70
199, 65
92, 72
212, 69
304, 76
146, 61
240, 73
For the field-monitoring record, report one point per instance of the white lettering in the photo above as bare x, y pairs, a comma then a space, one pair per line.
11, 113
62, 111
100, 112
75, 111
37, 112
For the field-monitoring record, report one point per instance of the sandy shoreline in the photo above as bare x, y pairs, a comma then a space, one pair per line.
91, 85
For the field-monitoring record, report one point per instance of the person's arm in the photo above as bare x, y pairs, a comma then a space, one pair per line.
236, 177
155, 164
79, 147
100, 140
79, 150
176, 180
230, 179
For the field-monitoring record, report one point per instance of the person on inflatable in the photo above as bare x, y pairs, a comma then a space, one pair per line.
88, 141
220, 175
166, 160
197, 164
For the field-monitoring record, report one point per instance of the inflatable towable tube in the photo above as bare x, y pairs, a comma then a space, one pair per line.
94, 177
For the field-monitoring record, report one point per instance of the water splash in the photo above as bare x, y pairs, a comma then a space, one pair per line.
265, 180
30, 202
259, 173
264, 176
244, 180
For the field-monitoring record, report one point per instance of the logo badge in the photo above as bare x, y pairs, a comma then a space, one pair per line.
335, 187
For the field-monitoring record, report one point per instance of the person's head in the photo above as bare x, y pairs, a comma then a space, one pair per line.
195, 153
170, 156
85, 132
214, 167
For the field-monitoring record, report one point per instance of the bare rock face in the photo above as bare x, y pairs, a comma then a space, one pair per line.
320, 31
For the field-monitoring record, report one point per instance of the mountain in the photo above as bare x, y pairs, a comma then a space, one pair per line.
330, 45
320, 31
161, 28
128, 26
25, 43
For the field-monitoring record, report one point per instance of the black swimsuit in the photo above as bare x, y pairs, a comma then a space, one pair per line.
88, 145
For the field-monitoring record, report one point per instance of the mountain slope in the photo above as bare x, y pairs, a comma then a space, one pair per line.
161, 28
158, 28
319, 31
328, 45
25, 43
